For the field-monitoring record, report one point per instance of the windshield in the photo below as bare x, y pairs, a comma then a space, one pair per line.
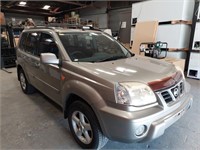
92, 47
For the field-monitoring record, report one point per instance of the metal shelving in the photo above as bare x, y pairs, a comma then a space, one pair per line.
8, 51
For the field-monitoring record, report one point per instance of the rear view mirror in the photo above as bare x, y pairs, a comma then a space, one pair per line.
49, 58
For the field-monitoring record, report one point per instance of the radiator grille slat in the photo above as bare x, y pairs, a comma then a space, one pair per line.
167, 97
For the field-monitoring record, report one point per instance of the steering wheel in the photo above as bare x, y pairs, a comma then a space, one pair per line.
77, 55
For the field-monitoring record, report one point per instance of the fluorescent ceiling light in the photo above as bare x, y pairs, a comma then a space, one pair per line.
46, 7
22, 3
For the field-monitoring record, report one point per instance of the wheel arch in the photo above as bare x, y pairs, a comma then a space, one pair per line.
89, 96
19, 67
71, 99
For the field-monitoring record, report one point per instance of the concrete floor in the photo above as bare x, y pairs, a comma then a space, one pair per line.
35, 122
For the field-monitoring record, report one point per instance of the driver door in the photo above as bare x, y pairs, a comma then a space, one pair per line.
49, 75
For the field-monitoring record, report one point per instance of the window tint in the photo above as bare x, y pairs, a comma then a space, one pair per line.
31, 43
92, 47
22, 44
76, 41
47, 44
79, 44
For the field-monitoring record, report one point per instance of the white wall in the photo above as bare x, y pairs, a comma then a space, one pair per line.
163, 10
177, 36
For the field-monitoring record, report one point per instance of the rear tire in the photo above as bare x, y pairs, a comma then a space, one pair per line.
27, 88
84, 126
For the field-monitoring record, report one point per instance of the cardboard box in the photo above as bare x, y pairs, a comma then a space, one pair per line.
144, 32
176, 62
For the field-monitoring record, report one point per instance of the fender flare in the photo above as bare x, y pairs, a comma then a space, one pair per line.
23, 68
88, 94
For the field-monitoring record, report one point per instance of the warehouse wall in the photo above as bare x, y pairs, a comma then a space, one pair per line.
39, 20
117, 16
114, 17
97, 13
110, 19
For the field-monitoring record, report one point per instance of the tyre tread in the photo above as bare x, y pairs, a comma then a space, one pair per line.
29, 88
102, 140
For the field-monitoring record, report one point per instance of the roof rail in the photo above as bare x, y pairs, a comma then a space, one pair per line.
72, 26
42, 27
90, 28
62, 26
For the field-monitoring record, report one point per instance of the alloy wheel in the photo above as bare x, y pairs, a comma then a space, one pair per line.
23, 81
82, 127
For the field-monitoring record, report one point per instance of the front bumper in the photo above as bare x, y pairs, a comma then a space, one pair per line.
121, 125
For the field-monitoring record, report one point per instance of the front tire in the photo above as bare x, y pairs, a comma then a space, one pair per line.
26, 87
84, 126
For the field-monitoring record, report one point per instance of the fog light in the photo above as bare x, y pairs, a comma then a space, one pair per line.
140, 130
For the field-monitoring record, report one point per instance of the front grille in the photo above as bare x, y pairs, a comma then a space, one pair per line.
181, 87
167, 97
173, 93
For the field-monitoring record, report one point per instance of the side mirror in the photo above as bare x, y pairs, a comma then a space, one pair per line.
49, 58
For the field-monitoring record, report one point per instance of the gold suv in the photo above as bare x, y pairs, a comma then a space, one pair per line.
106, 92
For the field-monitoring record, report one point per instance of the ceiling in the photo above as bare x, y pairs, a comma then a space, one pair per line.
57, 7
36, 7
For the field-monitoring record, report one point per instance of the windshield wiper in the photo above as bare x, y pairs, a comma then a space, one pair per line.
111, 58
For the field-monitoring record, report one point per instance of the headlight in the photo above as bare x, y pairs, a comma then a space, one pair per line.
134, 93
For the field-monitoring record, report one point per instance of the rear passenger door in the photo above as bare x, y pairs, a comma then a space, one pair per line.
27, 56
49, 75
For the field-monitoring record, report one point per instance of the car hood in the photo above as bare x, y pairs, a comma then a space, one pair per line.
137, 68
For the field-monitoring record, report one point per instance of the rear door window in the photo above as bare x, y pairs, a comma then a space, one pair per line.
31, 43
28, 42
23, 39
